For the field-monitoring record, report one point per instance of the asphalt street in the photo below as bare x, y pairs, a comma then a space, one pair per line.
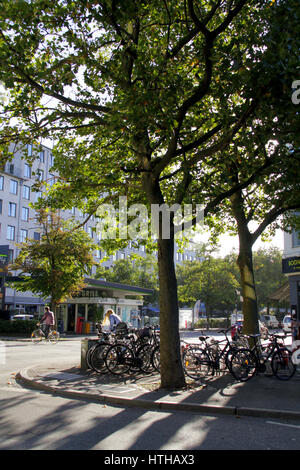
34, 420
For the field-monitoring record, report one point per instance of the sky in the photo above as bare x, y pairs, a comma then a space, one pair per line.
228, 243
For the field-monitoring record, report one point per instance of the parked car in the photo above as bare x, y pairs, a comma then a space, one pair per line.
287, 324
22, 317
270, 321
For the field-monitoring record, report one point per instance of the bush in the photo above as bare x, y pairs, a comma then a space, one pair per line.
220, 323
17, 327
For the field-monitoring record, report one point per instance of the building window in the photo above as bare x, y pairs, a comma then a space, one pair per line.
10, 232
10, 256
1, 183
29, 150
1, 202
36, 236
295, 239
122, 255
40, 175
38, 195
51, 158
11, 168
25, 214
42, 156
51, 180
13, 187
23, 235
90, 231
27, 170
26, 192
12, 209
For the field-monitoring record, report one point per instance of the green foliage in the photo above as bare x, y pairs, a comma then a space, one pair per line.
212, 323
55, 265
268, 275
137, 271
19, 327
148, 99
216, 281
210, 280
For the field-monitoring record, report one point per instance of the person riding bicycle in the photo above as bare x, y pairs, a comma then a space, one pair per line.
48, 321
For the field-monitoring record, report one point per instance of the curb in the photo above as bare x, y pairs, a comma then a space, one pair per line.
24, 378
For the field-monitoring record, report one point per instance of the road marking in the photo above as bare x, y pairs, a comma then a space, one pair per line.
283, 424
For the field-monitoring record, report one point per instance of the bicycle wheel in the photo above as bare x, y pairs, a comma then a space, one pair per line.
89, 354
53, 336
119, 359
96, 358
282, 365
144, 353
155, 358
243, 364
36, 336
196, 363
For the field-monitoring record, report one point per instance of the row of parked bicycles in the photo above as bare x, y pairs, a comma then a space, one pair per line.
238, 357
139, 351
125, 351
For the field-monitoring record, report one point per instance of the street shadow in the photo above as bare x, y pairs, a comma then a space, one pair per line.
162, 430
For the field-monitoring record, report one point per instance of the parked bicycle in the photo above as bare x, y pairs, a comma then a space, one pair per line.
38, 335
95, 354
128, 355
209, 357
246, 362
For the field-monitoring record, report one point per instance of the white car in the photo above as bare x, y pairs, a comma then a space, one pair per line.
271, 321
287, 324
22, 317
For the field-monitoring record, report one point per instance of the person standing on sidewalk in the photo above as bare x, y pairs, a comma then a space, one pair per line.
48, 321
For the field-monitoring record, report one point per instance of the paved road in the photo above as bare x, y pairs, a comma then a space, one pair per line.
35, 420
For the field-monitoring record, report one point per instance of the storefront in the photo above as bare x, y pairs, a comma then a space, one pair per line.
80, 313
291, 268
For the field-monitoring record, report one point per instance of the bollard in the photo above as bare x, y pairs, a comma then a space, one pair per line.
86, 344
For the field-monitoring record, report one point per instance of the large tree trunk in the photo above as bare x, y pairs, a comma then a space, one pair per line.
172, 375
245, 264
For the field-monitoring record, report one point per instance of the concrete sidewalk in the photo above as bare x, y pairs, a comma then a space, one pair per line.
264, 396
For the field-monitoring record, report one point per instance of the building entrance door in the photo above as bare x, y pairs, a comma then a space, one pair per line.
71, 317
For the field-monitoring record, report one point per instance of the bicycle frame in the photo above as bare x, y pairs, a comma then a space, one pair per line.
264, 353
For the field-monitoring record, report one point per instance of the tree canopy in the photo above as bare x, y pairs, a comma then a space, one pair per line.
55, 266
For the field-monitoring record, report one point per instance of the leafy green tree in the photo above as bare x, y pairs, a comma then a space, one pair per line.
136, 270
141, 97
268, 274
54, 266
210, 280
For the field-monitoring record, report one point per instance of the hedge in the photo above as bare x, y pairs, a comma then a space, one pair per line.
18, 327
212, 323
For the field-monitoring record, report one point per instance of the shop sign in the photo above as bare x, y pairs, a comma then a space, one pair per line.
291, 265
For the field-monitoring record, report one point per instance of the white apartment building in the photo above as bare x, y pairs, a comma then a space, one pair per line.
17, 218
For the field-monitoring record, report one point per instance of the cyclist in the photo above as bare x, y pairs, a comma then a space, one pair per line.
48, 321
